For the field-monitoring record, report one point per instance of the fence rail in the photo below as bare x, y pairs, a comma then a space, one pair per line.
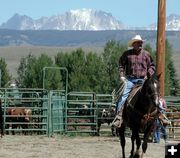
60, 112
173, 113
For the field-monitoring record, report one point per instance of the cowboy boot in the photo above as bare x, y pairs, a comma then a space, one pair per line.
118, 119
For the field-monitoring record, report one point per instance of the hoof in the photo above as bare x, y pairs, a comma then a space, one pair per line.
136, 156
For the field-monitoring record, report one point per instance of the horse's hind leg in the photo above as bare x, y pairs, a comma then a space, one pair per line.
122, 139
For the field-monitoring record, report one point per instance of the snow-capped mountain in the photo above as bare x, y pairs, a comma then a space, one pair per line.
172, 23
83, 19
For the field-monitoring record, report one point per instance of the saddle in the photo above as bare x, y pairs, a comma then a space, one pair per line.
130, 102
133, 96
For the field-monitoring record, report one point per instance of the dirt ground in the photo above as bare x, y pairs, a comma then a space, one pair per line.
69, 147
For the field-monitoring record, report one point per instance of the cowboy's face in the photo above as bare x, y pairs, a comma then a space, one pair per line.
137, 45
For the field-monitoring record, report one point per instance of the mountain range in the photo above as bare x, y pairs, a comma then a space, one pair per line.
81, 19
80, 28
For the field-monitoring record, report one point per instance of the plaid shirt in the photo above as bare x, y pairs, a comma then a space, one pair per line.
136, 64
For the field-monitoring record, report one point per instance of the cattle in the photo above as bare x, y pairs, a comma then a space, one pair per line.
87, 115
174, 116
84, 110
106, 115
18, 118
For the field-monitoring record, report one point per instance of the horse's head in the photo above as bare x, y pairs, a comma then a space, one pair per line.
150, 90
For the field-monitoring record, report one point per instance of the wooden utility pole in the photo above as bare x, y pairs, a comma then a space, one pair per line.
161, 29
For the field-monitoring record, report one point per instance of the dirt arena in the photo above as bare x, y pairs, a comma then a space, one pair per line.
69, 147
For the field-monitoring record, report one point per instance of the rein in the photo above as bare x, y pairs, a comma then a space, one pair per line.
147, 116
150, 116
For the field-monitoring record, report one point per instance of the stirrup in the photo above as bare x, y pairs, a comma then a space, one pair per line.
117, 121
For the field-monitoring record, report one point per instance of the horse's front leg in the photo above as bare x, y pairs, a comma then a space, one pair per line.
145, 140
138, 144
132, 143
144, 147
135, 136
122, 139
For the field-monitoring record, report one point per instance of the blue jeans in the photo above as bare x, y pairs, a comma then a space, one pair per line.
157, 133
130, 83
159, 129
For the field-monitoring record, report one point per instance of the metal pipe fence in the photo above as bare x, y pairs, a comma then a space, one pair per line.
58, 112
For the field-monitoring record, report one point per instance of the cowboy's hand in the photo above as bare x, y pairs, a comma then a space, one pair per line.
121, 76
123, 79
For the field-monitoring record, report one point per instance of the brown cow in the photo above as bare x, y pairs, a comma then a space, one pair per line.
18, 115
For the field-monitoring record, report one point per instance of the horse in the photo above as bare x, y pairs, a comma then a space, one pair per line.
140, 116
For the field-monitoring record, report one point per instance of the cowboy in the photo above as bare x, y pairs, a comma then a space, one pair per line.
161, 122
134, 66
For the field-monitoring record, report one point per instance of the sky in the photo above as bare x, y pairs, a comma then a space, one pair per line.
137, 13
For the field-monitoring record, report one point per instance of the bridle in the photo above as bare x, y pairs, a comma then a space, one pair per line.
151, 115
154, 94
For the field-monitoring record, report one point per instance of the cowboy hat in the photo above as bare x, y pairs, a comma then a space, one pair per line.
135, 39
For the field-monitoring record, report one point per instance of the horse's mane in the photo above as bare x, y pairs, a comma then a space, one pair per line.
149, 82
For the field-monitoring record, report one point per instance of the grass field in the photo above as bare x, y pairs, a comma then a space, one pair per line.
13, 54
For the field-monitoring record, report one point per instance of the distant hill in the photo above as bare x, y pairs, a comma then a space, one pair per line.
55, 38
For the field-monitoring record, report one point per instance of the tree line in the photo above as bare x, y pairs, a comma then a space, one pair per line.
87, 72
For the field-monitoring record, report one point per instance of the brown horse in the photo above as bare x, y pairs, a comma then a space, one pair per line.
140, 116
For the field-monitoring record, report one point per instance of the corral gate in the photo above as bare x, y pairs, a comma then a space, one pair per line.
81, 112
57, 103
77, 114
57, 115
